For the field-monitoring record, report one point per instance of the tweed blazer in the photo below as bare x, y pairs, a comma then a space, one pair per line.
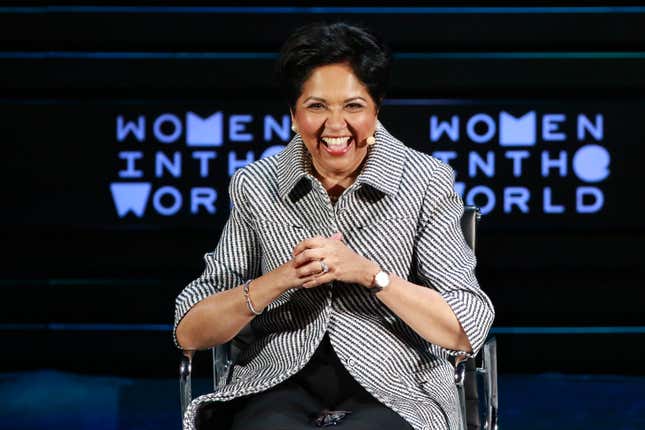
401, 212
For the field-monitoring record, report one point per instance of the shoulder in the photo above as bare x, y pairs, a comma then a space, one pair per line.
426, 169
261, 173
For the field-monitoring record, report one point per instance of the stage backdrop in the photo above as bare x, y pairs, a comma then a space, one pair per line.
123, 168
122, 125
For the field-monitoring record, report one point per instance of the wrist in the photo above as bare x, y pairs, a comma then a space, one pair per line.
276, 282
370, 271
268, 286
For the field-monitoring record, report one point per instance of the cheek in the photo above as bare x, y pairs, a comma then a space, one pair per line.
309, 124
308, 127
363, 124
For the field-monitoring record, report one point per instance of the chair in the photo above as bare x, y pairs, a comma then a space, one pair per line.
475, 378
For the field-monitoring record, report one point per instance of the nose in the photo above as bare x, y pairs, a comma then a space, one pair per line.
335, 122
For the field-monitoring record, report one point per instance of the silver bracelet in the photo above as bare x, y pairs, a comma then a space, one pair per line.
248, 298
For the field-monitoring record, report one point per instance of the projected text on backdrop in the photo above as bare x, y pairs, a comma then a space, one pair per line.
177, 143
532, 146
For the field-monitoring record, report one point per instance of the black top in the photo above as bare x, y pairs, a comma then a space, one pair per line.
325, 377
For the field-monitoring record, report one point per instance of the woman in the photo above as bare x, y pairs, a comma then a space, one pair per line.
345, 254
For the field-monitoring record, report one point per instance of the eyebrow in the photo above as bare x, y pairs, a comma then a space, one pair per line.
323, 100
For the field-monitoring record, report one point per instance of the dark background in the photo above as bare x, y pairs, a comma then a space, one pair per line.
83, 290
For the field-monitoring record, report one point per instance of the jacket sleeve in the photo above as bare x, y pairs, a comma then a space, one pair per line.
234, 260
445, 262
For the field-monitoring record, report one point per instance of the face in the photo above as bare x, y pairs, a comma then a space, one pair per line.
335, 115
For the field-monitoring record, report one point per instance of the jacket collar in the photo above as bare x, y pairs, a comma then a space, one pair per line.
382, 170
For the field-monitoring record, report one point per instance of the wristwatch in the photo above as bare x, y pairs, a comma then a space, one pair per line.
381, 281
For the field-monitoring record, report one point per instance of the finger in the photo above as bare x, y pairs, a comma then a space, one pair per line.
312, 242
317, 281
337, 236
308, 255
309, 271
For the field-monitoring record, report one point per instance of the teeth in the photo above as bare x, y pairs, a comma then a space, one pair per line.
336, 141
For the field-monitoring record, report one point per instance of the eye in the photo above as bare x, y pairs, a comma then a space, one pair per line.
354, 106
315, 106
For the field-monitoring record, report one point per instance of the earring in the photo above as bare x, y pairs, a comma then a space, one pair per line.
372, 139
293, 128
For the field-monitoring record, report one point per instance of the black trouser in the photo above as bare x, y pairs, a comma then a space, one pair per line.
323, 384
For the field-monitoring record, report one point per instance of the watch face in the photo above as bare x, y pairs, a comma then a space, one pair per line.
382, 279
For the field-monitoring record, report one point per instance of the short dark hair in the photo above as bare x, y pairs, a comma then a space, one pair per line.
319, 44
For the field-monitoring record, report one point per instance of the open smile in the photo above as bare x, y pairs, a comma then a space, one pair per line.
337, 145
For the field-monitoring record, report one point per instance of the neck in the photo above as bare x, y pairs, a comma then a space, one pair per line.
336, 182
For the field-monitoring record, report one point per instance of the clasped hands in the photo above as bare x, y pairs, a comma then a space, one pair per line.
342, 263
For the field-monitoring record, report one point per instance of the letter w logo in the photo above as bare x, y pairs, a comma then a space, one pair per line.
130, 197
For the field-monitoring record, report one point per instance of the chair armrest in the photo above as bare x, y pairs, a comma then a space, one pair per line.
185, 380
460, 377
489, 371
477, 389
222, 364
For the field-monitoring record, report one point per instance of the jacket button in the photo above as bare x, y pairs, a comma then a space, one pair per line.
351, 362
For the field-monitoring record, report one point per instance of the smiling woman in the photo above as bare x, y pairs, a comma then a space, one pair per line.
344, 253
335, 115
334, 93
